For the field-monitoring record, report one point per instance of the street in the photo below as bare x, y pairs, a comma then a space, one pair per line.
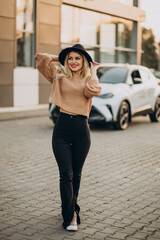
120, 188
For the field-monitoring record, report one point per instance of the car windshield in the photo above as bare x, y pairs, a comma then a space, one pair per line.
112, 74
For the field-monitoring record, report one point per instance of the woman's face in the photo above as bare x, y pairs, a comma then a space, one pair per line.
75, 61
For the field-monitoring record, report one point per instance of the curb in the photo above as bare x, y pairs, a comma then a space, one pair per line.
11, 113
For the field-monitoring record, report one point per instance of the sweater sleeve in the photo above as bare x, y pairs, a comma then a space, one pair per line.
45, 65
92, 88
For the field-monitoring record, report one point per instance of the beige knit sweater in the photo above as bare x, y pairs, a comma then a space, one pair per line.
69, 94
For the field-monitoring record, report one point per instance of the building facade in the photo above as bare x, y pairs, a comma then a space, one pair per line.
109, 29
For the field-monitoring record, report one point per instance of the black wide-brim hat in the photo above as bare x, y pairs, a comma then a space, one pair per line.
76, 48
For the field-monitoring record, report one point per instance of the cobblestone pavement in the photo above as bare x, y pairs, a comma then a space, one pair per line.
120, 189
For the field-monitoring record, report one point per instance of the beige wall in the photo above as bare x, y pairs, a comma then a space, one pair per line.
47, 37
7, 51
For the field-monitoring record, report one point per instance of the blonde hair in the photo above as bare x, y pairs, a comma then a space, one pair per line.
84, 72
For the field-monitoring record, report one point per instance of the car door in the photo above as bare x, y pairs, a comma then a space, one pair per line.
149, 85
138, 91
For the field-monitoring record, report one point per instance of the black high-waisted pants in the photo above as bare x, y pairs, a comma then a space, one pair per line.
71, 143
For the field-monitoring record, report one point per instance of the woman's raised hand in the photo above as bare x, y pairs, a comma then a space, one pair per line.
94, 67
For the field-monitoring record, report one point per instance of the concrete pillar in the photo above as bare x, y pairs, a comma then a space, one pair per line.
139, 43
7, 50
48, 22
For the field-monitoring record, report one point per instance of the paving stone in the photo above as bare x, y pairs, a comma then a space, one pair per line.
100, 235
21, 226
140, 235
120, 235
109, 230
3, 236
8, 231
17, 236
152, 238
133, 238
157, 234
137, 225
28, 231
77, 236
91, 221
3, 226
100, 225
131, 231
109, 221
89, 230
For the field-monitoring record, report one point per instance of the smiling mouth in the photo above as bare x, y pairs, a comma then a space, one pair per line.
74, 66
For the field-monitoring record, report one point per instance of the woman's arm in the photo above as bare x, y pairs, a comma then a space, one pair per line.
92, 88
54, 58
45, 65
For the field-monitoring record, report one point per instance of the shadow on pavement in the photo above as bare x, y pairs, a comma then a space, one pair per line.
136, 121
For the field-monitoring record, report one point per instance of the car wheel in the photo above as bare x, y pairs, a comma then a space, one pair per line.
155, 116
123, 117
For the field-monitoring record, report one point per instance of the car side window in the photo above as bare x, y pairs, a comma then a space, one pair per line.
135, 75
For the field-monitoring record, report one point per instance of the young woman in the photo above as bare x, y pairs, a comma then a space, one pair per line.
72, 90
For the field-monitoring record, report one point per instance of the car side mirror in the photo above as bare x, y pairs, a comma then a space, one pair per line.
137, 80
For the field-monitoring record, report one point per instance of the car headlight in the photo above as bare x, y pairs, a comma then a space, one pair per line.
106, 95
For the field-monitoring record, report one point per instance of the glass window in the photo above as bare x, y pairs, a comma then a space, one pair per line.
106, 38
25, 32
112, 75
135, 74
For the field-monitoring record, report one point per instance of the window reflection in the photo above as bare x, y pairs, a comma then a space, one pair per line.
107, 38
25, 32
24, 49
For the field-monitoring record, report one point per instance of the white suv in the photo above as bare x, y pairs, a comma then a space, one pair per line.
127, 91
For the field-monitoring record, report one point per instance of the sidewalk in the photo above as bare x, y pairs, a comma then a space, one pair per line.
9, 113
